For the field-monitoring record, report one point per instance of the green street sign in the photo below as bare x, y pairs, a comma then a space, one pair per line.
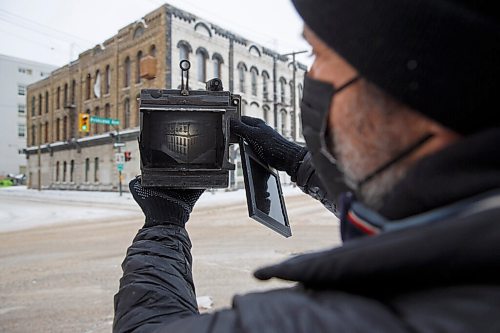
104, 121
119, 166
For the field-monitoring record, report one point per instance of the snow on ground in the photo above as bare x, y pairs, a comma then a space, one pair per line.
22, 208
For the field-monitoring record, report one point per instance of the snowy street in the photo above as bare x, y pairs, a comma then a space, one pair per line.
60, 252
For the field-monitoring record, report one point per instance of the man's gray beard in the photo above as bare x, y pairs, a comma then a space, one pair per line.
354, 166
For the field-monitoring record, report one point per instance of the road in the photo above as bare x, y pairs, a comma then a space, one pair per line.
62, 278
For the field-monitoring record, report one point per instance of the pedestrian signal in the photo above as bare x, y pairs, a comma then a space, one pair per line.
84, 122
128, 156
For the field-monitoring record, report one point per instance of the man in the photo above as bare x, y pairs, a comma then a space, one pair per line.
403, 143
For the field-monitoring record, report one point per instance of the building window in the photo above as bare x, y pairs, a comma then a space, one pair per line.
282, 90
137, 109
254, 73
138, 67
283, 122
65, 170
73, 92
96, 169
87, 168
292, 92
126, 110
107, 80
242, 68
218, 61
71, 171
21, 109
57, 171
97, 84
184, 50
21, 130
87, 86
266, 111
21, 90
40, 104
107, 114
33, 134
46, 133
33, 106
139, 31
152, 51
65, 96
301, 93
201, 61
46, 102
65, 128
126, 69
58, 129
265, 86
96, 126
26, 71
58, 97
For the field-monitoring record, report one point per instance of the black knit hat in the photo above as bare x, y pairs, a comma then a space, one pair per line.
440, 57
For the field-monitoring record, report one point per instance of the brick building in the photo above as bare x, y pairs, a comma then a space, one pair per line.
106, 81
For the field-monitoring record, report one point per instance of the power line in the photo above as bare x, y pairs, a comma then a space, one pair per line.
68, 35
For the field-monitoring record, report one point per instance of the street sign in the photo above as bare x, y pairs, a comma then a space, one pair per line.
119, 144
119, 167
104, 121
119, 158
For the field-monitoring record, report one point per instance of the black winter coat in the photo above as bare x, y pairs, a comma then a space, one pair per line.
442, 276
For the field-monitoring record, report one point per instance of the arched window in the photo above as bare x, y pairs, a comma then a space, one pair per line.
96, 169
283, 122
46, 133
244, 105
46, 102
282, 90
87, 168
65, 128
87, 86
57, 171
71, 171
184, 50
73, 92
40, 104
217, 61
292, 92
242, 68
138, 67
33, 106
137, 111
152, 51
265, 86
58, 129
126, 111
126, 69
65, 171
96, 126
266, 110
65, 96
201, 62
254, 73
97, 84
58, 98
107, 79
107, 114
301, 92
33, 134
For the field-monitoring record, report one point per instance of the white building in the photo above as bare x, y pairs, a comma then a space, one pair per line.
15, 75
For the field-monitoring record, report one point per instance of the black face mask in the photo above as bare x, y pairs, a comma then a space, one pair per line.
315, 108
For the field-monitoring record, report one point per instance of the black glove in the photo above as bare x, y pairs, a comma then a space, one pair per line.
164, 206
269, 145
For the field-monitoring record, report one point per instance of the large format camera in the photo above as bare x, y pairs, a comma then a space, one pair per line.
185, 135
184, 144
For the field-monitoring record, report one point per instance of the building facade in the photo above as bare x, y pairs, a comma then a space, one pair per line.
106, 81
17, 74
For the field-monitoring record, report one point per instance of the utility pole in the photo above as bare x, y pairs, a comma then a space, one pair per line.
39, 157
294, 88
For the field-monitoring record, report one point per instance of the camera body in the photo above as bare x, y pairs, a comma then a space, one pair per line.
185, 136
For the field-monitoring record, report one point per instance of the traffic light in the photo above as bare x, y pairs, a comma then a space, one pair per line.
128, 156
84, 122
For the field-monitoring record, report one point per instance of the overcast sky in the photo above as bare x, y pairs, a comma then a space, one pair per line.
56, 31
